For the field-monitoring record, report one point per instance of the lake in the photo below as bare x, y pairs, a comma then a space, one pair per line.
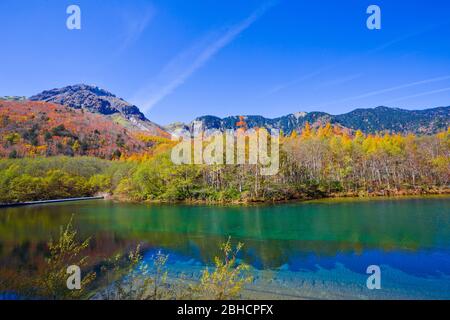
317, 249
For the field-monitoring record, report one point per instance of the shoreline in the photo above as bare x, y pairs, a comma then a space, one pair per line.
31, 203
250, 202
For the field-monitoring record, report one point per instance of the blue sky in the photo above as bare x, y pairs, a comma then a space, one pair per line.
180, 59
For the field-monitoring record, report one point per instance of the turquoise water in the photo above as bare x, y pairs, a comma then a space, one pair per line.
304, 250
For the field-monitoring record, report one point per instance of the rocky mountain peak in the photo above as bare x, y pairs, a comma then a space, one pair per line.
97, 100
300, 114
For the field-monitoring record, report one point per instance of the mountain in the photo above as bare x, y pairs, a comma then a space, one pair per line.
379, 119
30, 128
13, 98
97, 100
426, 121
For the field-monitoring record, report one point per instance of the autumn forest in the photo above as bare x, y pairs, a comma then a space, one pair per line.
50, 151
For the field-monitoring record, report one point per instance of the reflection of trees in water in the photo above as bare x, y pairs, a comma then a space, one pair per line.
272, 234
26, 260
261, 254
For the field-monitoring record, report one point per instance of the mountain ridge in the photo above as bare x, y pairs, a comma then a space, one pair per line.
368, 120
98, 100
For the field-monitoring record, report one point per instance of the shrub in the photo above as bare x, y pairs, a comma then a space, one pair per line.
228, 278
64, 252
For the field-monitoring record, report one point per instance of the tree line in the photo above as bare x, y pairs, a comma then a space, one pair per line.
318, 162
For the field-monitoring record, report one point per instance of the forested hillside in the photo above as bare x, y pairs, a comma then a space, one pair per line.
80, 147
317, 163
44, 129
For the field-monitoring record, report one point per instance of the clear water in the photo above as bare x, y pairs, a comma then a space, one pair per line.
315, 249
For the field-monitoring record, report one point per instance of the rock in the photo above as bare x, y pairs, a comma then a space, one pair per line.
97, 100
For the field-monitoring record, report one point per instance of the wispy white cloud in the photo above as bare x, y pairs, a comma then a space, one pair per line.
406, 37
298, 80
339, 81
390, 89
135, 24
132, 23
307, 76
426, 93
344, 61
184, 65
